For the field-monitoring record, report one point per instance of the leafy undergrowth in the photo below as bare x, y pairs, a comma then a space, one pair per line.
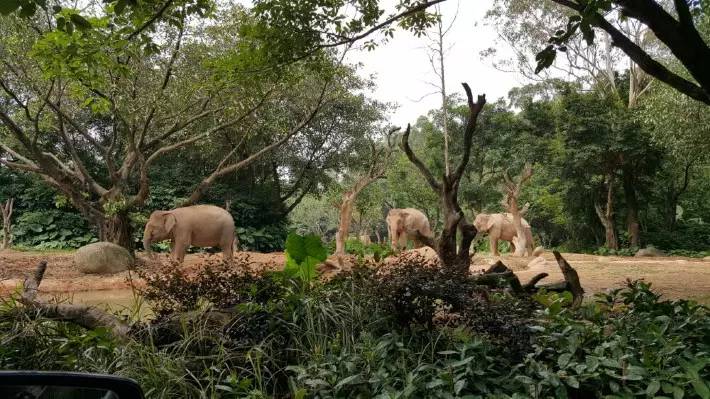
404, 331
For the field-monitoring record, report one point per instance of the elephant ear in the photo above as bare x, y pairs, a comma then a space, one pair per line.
490, 223
170, 220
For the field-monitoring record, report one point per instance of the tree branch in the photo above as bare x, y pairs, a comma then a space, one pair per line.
151, 21
436, 186
85, 316
667, 30
474, 110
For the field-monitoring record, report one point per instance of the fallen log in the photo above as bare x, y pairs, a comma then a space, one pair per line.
497, 271
85, 316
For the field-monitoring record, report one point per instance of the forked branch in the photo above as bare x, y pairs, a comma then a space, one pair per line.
85, 316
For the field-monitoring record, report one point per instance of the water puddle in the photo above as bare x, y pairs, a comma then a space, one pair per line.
123, 301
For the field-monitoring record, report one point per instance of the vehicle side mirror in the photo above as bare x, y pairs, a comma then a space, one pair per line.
62, 385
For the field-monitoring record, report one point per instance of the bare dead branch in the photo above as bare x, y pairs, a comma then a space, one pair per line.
85, 316
572, 279
436, 186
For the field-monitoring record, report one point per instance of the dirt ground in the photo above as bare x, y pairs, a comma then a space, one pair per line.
674, 277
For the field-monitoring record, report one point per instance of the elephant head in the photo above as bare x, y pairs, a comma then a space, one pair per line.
483, 222
159, 227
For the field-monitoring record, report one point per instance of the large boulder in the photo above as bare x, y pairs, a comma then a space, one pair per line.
102, 258
650, 251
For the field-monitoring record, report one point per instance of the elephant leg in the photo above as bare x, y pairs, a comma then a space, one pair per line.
494, 246
403, 241
227, 249
179, 249
512, 246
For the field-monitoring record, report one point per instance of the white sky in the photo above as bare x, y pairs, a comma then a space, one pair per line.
402, 70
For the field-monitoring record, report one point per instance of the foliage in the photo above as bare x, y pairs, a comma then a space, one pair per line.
343, 338
625, 343
604, 251
51, 229
303, 254
356, 247
172, 290
688, 236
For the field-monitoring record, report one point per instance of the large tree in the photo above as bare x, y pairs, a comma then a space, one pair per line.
91, 113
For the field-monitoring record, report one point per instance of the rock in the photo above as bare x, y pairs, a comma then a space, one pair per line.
538, 251
650, 251
102, 258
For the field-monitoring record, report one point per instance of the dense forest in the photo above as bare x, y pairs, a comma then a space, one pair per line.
189, 122
111, 110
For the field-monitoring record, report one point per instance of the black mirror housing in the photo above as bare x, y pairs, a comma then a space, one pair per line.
34, 384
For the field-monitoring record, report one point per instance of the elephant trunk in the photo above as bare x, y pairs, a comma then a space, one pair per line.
146, 244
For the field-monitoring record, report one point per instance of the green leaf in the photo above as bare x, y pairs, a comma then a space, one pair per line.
28, 9
564, 359
314, 247
459, 386
573, 382
353, 379
8, 6
80, 22
701, 388
653, 387
295, 247
119, 7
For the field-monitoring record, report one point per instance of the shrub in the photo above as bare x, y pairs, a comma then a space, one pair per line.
626, 343
52, 229
689, 236
356, 247
604, 251
415, 290
171, 289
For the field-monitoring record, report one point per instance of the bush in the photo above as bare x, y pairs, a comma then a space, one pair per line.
688, 236
604, 251
403, 330
51, 229
356, 247
624, 344
171, 289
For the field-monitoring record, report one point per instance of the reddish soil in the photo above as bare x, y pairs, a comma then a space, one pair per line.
675, 277
63, 276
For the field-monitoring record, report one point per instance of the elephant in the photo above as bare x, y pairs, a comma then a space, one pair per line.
198, 225
499, 226
404, 224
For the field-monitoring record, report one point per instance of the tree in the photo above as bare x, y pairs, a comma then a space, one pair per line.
6, 209
679, 33
456, 262
378, 160
679, 126
510, 202
93, 127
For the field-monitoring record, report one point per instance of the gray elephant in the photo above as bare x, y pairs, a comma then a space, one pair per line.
404, 224
198, 225
499, 226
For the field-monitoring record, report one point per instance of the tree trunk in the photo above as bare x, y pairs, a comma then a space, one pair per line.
510, 201
670, 212
453, 261
457, 261
118, 230
7, 223
606, 216
346, 211
632, 213
344, 219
